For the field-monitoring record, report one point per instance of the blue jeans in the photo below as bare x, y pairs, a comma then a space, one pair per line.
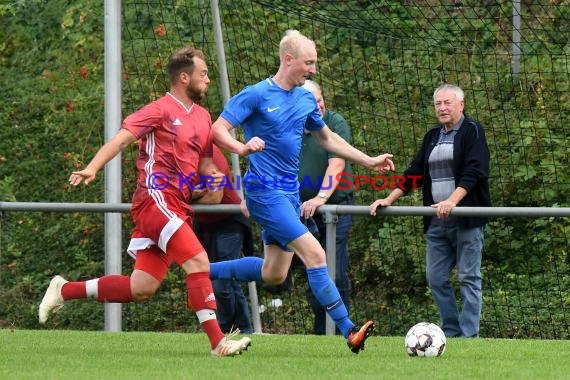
341, 278
449, 247
223, 243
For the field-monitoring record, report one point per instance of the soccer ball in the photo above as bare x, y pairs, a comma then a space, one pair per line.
425, 339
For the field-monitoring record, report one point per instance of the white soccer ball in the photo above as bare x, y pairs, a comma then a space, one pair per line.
425, 339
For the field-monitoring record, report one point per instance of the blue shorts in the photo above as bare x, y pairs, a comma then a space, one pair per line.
279, 215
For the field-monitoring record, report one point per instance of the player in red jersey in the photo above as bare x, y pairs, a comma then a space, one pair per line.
175, 146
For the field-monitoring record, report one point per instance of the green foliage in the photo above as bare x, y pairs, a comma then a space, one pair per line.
52, 75
7, 189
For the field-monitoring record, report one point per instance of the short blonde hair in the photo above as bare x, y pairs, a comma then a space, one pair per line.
291, 43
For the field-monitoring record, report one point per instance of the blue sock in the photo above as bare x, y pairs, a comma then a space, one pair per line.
243, 270
328, 296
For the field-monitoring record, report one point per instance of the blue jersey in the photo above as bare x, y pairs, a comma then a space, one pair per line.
278, 117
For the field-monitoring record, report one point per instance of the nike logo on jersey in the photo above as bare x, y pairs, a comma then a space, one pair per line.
330, 307
269, 109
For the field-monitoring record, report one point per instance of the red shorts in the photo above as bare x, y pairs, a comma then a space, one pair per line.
158, 215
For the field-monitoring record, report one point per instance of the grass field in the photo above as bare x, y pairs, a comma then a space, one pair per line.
44, 354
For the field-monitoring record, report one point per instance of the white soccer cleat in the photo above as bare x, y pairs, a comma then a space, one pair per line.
228, 347
52, 301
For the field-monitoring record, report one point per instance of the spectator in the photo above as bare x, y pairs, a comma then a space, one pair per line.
453, 163
319, 171
223, 236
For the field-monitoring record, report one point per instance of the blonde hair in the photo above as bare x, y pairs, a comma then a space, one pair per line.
291, 43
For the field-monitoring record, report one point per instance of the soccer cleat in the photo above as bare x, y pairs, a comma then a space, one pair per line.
229, 347
357, 336
52, 301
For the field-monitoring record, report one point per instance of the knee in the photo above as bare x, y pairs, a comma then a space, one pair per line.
469, 279
274, 278
198, 263
142, 293
436, 281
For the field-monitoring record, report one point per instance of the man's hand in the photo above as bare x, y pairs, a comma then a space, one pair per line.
252, 146
382, 163
243, 208
85, 175
104, 155
309, 207
217, 177
384, 202
443, 208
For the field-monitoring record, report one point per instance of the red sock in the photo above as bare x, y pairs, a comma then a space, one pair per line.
202, 301
73, 290
114, 288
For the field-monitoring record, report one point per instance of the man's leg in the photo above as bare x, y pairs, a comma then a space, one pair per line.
232, 304
185, 248
342, 258
341, 280
324, 289
469, 253
244, 269
310, 251
139, 286
440, 259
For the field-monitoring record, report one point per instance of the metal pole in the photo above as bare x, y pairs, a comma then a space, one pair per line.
221, 55
509, 212
516, 37
491, 212
224, 81
331, 220
113, 227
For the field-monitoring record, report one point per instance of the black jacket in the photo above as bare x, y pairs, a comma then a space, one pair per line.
470, 169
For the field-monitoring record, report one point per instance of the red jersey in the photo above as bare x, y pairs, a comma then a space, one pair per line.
172, 140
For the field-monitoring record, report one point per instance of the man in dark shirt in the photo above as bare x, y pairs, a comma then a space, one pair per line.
223, 236
453, 163
319, 173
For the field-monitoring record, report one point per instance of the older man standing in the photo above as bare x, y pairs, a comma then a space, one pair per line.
454, 164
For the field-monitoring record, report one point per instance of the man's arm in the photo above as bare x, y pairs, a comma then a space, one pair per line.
208, 190
105, 154
333, 143
477, 155
444, 207
207, 196
388, 201
335, 167
224, 139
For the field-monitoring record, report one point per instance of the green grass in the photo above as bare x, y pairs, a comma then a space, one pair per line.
56, 354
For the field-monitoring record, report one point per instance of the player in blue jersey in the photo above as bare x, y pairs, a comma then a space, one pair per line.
273, 114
